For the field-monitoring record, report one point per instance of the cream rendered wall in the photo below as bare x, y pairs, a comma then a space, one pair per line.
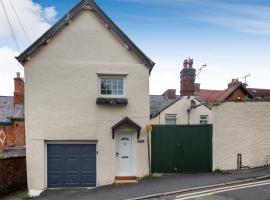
180, 109
61, 89
241, 128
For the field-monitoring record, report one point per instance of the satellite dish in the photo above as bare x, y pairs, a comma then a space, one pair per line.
193, 104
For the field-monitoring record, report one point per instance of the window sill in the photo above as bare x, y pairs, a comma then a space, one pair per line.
111, 101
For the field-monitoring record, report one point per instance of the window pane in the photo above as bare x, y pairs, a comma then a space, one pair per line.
120, 92
112, 86
171, 121
120, 81
114, 92
120, 87
114, 81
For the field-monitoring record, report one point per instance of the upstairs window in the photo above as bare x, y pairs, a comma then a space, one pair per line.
112, 86
204, 119
170, 119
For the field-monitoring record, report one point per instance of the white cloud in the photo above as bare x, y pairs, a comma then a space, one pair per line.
8, 68
36, 21
50, 13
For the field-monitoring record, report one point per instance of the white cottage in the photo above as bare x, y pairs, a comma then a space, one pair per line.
186, 108
86, 101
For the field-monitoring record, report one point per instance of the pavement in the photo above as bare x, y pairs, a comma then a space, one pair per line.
156, 185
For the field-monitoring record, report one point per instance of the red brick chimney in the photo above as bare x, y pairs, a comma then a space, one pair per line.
233, 83
18, 90
170, 94
187, 75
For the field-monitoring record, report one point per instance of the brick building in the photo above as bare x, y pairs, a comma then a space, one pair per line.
12, 131
236, 91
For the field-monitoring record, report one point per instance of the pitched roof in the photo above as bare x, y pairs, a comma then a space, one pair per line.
256, 92
159, 103
221, 95
22, 58
8, 110
126, 121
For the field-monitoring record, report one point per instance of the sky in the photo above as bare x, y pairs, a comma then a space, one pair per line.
231, 36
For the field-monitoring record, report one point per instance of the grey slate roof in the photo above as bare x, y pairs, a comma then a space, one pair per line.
22, 58
8, 110
160, 102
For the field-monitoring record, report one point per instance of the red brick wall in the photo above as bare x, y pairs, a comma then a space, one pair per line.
18, 90
237, 95
15, 134
12, 175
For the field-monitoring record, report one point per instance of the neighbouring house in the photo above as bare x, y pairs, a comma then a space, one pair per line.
186, 108
193, 104
12, 132
87, 103
236, 91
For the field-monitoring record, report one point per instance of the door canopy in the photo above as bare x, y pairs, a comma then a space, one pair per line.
129, 122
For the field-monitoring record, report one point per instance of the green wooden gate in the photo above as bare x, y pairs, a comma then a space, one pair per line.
181, 148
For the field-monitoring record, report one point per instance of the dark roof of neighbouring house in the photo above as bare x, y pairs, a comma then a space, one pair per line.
8, 110
22, 58
257, 92
159, 103
221, 95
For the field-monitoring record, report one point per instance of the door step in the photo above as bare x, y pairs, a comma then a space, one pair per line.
125, 179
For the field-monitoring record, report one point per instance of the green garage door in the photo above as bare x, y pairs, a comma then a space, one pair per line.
181, 148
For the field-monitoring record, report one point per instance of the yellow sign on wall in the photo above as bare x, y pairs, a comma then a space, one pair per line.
148, 128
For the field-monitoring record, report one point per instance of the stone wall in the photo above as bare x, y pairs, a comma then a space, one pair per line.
241, 128
12, 175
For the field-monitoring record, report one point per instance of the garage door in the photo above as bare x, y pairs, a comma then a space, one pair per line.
181, 148
71, 165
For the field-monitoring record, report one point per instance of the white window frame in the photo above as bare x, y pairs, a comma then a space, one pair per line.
201, 120
112, 77
170, 116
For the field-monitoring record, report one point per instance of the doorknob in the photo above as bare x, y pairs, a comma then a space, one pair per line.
117, 154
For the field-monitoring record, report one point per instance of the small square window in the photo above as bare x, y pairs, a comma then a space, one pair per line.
112, 86
170, 119
204, 119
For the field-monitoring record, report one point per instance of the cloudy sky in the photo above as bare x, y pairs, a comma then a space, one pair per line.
231, 36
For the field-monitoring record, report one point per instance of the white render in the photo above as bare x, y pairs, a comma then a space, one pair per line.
61, 87
180, 109
241, 128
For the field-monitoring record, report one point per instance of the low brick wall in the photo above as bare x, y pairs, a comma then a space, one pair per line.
12, 174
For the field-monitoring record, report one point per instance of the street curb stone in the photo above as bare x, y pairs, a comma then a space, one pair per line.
202, 187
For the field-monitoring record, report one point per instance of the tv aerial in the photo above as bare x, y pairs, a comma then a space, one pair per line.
200, 69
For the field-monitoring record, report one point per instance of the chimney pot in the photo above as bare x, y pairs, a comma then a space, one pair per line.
18, 74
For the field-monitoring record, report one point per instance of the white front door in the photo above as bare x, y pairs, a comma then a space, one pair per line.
124, 155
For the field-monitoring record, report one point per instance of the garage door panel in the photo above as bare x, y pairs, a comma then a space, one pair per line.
74, 166
88, 164
86, 149
55, 164
72, 150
